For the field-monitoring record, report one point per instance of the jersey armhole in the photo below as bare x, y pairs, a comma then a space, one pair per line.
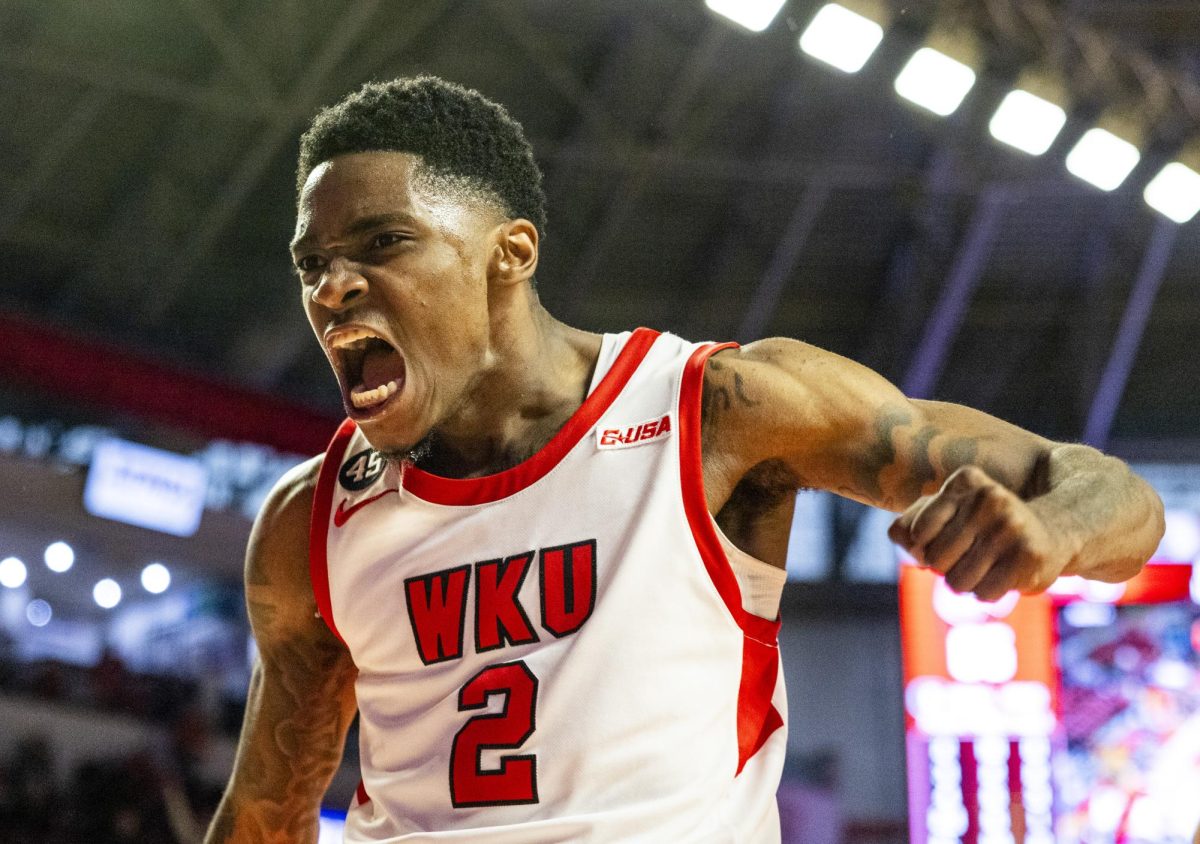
318, 531
757, 718
695, 504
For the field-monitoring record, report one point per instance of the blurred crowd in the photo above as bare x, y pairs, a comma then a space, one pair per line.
140, 798
163, 792
109, 687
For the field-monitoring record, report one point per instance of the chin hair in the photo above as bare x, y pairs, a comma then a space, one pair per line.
412, 454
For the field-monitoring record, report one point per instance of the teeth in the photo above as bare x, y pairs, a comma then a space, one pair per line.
353, 339
365, 398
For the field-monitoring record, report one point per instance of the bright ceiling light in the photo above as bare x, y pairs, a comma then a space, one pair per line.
755, 15
842, 38
12, 573
1103, 159
107, 593
935, 81
38, 612
1027, 122
1175, 192
59, 557
156, 578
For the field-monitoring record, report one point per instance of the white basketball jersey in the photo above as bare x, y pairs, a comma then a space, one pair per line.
558, 652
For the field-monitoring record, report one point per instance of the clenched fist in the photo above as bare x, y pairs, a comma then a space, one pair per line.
983, 537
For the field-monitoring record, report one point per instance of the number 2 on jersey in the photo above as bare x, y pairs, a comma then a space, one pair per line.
515, 781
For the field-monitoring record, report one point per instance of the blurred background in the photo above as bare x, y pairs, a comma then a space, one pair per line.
989, 202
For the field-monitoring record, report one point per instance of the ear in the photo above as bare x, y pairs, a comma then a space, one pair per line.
514, 255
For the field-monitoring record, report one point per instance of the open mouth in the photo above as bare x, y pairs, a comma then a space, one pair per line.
372, 370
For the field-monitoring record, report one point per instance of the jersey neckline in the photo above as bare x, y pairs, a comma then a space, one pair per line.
464, 492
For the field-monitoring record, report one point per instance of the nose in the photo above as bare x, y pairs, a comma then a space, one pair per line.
340, 285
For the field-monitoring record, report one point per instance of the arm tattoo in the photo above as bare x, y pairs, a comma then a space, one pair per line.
925, 456
921, 470
739, 389
718, 395
881, 454
295, 724
960, 451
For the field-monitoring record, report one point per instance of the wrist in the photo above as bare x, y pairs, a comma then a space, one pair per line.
1066, 532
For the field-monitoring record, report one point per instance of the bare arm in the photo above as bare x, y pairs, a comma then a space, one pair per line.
990, 505
301, 698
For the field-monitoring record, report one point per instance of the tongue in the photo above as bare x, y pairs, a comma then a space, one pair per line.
380, 366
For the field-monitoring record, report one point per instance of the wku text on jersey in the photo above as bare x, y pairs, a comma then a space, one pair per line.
438, 602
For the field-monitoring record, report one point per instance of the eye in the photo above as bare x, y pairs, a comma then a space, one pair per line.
309, 263
386, 239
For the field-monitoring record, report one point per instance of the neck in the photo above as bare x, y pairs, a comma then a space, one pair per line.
536, 375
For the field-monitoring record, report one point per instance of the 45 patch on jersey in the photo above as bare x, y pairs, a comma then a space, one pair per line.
361, 470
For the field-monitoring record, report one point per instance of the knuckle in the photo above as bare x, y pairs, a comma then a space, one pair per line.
993, 587
936, 554
956, 581
923, 520
972, 476
961, 481
994, 501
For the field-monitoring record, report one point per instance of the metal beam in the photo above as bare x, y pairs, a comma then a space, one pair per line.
687, 84
592, 133
50, 157
895, 291
237, 57
129, 80
1129, 334
716, 271
1088, 334
784, 261
554, 68
943, 324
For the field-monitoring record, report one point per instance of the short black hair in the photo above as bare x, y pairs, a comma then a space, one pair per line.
458, 133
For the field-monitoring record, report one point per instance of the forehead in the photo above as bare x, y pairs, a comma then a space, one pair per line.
360, 182
350, 188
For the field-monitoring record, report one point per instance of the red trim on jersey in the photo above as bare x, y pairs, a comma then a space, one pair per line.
361, 793
757, 717
318, 530
695, 504
469, 491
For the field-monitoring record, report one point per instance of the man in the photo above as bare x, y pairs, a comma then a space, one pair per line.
506, 561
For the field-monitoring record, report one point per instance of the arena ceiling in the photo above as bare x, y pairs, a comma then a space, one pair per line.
701, 179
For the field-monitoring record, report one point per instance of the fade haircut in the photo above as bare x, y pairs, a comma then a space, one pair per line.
469, 146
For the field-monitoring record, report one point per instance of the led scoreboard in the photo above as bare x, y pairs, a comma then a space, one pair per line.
1066, 718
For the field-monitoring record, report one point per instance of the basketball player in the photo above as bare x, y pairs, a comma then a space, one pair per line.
543, 565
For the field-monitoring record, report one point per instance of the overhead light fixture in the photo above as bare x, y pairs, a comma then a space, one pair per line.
59, 557
156, 578
941, 73
1033, 114
754, 15
106, 593
38, 612
12, 573
1175, 191
844, 37
1107, 153
935, 81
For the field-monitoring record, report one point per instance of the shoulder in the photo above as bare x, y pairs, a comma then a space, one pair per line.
783, 398
278, 587
774, 358
763, 383
286, 512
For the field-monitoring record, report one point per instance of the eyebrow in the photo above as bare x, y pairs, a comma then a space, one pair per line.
361, 225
